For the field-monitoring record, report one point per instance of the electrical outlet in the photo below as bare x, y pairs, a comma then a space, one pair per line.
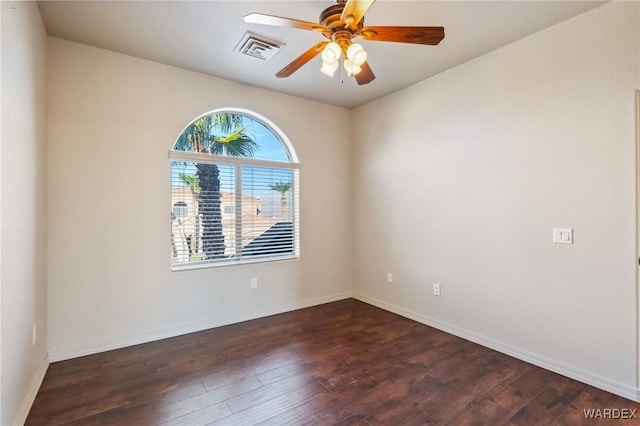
254, 283
34, 335
389, 277
563, 235
436, 289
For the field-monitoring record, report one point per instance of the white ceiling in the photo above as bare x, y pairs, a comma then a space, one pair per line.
201, 36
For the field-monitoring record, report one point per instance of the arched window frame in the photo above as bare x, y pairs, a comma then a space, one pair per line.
292, 165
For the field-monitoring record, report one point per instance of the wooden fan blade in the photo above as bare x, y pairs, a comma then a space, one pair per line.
365, 76
416, 35
353, 12
259, 18
301, 60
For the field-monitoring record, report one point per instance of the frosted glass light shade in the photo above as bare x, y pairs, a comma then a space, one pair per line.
331, 52
356, 54
329, 68
351, 68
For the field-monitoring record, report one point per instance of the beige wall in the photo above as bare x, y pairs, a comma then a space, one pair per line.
23, 213
112, 120
459, 180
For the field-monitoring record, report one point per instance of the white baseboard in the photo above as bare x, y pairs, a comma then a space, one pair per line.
32, 392
64, 354
600, 382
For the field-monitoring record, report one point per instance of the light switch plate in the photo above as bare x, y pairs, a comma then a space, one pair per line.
563, 235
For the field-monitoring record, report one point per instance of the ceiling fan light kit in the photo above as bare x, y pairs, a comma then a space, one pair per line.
340, 23
355, 57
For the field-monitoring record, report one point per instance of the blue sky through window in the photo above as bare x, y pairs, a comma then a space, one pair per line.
270, 146
256, 181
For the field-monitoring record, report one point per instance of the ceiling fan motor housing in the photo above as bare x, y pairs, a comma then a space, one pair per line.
331, 18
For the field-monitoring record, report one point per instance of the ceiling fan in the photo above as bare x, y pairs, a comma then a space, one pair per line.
341, 23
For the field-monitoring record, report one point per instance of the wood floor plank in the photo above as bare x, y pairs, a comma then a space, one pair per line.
386, 394
339, 404
299, 415
589, 409
501, 405
281, 373
202, 416
242, 386
270, 407
550, 403
407, 412
218, 377
303, 383
340, 363
185, 407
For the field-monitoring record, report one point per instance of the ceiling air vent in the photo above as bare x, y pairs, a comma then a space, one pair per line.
258, 46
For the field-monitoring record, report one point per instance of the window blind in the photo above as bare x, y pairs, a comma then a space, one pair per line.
231, 212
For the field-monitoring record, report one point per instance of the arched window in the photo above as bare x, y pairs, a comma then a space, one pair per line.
234, 192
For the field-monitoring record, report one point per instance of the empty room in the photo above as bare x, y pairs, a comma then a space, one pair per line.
319, 212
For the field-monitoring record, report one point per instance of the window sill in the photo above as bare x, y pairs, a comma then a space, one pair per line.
188, 267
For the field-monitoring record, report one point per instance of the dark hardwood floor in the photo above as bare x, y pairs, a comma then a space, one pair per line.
340, 363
